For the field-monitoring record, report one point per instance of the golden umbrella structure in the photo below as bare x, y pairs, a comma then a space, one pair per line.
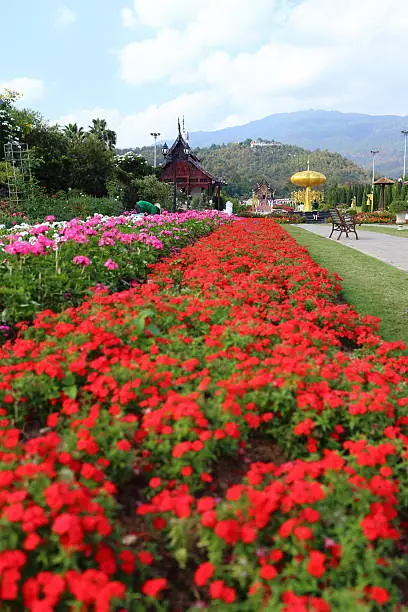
308, 178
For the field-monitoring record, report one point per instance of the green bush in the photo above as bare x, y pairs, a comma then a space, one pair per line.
65, 206
398, 206
147, 188
238, 208
278, 217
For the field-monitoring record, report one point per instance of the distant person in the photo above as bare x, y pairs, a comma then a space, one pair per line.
148, 208
315, 210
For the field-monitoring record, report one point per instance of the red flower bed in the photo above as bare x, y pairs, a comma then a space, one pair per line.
378, 216
143, 394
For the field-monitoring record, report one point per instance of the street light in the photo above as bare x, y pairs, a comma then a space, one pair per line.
405, 132
373, 153
155, 135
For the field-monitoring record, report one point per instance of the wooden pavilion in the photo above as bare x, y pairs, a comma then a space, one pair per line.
383, 182
182, 168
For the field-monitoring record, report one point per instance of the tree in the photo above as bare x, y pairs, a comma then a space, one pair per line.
100, 129
9, 130
91, 166
27, 120
74, 133
147, 188
50, 157
133, 166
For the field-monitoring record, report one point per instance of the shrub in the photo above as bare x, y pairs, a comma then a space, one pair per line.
378, 216
277, 216
66, 206
398, 206
147, 188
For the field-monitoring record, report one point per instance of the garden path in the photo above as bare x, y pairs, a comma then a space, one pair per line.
390, 249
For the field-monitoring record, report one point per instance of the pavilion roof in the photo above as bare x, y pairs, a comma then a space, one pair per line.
181, 151
384, 181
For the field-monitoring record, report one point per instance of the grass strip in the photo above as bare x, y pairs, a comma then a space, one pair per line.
392, 231
371, 286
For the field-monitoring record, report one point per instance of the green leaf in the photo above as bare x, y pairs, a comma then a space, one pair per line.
71, 391
153, 329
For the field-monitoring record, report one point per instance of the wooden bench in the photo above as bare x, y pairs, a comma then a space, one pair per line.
342, 223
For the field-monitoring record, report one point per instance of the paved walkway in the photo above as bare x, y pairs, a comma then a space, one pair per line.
392, 250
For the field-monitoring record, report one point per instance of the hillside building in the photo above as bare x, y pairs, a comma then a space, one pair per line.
263, 192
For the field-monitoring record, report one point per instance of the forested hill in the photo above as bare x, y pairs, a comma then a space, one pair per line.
242, 166
351, 134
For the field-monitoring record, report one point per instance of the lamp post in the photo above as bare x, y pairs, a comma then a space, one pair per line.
405, 132
373, 153
155, 136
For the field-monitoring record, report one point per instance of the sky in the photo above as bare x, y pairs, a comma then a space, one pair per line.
140, 64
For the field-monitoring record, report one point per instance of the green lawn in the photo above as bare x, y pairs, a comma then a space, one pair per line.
386, 230
371, 286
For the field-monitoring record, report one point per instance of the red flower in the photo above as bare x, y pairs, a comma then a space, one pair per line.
228, 595
216, 589
203, 574
186, 470
205, 503
315, 566
303, 533
159, 523
248, 534
31, 542
124, 445
378, 594
155, 482
268, 572
145, 557
209, 519
52, 419
153, 587
15, 513
228, 530
304, 428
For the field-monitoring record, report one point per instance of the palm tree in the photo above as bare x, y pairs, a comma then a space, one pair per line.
74, 133
100, 129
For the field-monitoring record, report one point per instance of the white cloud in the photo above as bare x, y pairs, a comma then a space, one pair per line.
31, 89
153, 59
84, 117
163, 13
186, 32
64, 16
128, 18
134, 129
250, 59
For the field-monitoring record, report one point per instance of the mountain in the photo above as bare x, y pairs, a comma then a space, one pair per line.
242, 166
353, 135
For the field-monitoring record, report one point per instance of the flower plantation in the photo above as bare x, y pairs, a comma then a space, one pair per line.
227, 436
53, 264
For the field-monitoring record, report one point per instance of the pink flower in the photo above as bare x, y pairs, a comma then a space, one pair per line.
80, 260
111, 265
